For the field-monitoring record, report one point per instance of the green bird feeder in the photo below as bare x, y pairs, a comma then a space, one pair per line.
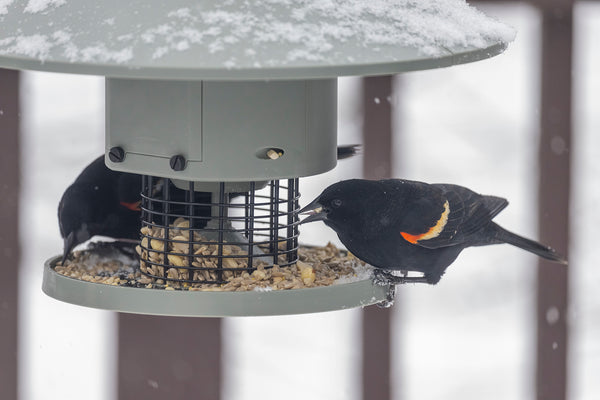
222, 105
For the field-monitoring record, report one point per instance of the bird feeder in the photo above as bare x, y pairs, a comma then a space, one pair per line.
216, 102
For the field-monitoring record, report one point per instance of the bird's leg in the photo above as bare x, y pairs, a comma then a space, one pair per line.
382, 277
412, 279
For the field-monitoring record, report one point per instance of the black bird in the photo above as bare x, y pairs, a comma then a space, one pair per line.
404, 225
100, 202
107, 203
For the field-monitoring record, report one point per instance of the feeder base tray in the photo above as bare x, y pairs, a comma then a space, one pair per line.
207, 303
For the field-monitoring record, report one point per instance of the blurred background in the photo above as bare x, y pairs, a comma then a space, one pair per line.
474, 335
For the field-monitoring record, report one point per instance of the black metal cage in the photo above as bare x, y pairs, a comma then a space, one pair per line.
192, 236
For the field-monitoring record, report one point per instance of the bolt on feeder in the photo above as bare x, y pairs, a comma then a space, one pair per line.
222, 106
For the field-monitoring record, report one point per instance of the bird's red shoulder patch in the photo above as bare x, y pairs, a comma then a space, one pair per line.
132, 206
432, 232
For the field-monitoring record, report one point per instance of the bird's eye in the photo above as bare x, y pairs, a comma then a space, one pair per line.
336, 203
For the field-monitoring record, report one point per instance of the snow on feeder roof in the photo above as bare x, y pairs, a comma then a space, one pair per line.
241, 39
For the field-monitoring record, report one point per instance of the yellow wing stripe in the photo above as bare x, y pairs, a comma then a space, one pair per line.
434, 231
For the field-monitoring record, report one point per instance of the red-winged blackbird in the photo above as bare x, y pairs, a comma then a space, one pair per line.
396, 224
104, 202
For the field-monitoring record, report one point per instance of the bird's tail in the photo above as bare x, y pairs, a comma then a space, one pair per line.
502, 235
347, 151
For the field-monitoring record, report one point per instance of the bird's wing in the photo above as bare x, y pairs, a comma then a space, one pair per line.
61, 206
466, 213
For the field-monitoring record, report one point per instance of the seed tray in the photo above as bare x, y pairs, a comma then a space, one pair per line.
119, 286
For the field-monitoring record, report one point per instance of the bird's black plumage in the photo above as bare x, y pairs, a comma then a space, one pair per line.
397, 224
99, 202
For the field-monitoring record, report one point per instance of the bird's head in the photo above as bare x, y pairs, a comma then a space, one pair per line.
343, 205
77, 215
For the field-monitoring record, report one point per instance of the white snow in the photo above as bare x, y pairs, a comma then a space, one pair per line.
101, 54
36, 46
4, 6
361, 273
39, 47
35, 6
180, 13
308, 30
263, 289
584, 313
64, 350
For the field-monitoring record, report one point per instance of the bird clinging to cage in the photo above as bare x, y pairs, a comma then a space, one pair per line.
404, 225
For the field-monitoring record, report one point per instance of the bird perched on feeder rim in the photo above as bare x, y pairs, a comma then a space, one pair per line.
103, 202
397, 224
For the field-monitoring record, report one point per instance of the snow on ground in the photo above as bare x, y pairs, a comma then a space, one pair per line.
470, 337
585, 259
65, 350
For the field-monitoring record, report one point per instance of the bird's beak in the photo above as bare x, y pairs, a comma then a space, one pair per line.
315, 212
68, 246
73, 239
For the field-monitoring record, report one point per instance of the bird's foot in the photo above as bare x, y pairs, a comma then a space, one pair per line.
382, 278
385, 278
389, 298
389, 280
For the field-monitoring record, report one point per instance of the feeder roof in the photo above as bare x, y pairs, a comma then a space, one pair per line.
244, 39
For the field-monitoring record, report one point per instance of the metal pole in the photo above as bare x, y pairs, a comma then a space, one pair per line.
554, 184
9, 234
376, 325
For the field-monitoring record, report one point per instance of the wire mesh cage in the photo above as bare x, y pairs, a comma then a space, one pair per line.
193, 236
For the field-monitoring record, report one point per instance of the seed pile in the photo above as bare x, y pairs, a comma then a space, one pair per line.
201, 253
102, 263
317, 266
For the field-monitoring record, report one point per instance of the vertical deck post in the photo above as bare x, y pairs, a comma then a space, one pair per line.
9, 234
169, 357
376, 324
554, 184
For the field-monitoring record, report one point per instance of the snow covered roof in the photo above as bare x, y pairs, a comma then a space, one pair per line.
244, 39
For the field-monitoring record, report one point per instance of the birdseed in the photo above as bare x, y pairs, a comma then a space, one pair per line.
316, 267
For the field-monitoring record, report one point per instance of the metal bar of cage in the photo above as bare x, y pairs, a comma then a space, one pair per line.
262, 219
250, 222
221, 227
275, 222
191, 197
